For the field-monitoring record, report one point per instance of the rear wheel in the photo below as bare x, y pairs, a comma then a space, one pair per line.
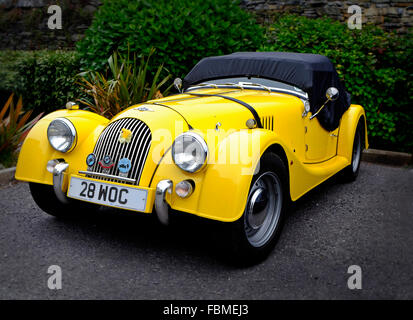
46, 199
255, 234
351, 172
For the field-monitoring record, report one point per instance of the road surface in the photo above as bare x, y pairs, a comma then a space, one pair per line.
108, 255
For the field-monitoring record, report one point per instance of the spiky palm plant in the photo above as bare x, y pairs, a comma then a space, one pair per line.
128, 83
14, 127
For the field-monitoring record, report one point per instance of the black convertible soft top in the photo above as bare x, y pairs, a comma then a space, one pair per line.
312, 73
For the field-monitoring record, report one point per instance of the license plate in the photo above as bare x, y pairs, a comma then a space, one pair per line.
108, 194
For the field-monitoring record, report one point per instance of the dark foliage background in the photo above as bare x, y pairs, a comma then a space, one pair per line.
376, 66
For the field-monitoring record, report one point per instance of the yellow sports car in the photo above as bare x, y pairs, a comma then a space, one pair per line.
247, 134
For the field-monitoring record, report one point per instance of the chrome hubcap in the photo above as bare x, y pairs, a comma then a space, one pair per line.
263, 209
356, 151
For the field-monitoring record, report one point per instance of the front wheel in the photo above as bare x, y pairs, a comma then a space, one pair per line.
46, 199
351, 172
255, 234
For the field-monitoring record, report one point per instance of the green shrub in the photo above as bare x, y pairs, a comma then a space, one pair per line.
376, 68
46, 79
182, 31
9, 60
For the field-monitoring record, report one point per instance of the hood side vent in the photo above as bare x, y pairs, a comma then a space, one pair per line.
268, 122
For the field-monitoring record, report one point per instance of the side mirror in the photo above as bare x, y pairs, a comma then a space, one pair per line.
332, 93
178, 84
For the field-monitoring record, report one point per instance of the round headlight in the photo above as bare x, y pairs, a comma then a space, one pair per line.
61, 134
189, 152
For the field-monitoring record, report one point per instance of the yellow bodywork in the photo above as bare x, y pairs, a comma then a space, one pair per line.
311, 153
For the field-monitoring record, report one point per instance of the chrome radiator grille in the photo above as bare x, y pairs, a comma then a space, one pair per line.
136, 150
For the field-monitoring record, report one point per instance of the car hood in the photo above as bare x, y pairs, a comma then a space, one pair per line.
204, 113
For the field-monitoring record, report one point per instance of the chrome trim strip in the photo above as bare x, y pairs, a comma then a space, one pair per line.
104, 175
161, 207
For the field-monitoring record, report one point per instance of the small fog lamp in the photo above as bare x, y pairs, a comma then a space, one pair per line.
184, 189
51, 164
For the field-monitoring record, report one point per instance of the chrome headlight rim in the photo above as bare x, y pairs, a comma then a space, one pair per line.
73, 134
203, 145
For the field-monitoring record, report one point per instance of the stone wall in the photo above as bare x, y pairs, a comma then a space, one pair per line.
390, 15
23, 23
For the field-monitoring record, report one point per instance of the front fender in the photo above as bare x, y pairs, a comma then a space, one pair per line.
348, 126
222, 187
36, 150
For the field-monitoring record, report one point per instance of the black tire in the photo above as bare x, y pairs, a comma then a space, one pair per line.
350, 173
245, 249
46, 199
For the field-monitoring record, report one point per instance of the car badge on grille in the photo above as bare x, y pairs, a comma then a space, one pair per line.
125, 136
124, 165
91, 160
106, 164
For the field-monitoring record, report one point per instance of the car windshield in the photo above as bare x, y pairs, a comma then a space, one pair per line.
253, 83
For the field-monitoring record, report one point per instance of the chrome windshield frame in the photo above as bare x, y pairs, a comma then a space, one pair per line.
244, 85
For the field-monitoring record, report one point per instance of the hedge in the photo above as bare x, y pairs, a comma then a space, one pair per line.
376, 68
9, 60
46, 80
182, 31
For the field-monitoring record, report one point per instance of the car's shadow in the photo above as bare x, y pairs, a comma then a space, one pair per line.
188, 235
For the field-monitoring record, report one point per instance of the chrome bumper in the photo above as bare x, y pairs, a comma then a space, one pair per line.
161, 207
58, 174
